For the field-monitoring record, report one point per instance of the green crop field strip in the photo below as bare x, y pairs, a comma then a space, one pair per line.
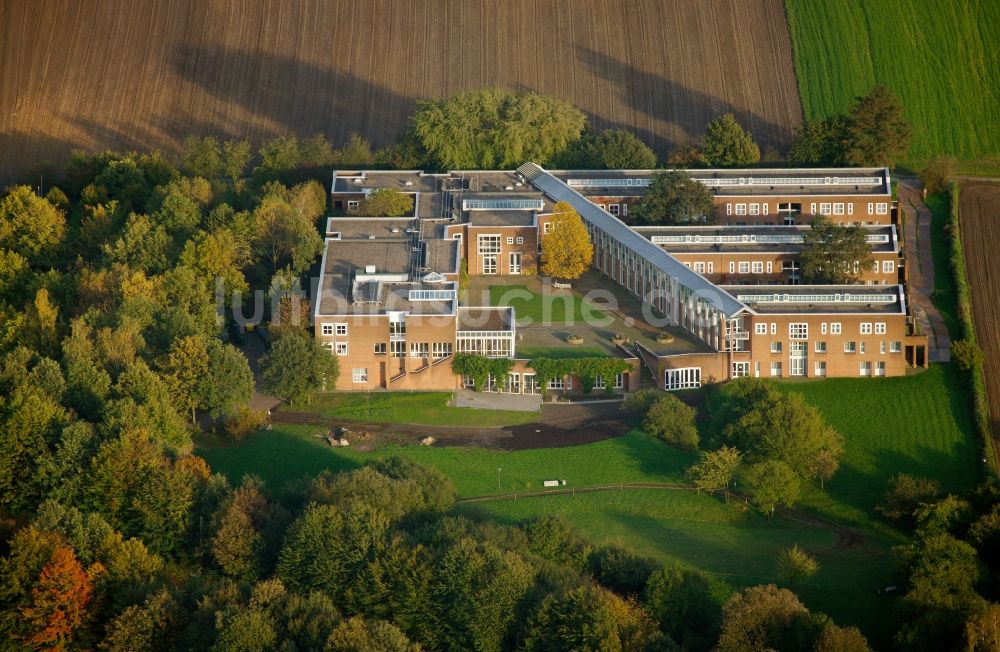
939, 56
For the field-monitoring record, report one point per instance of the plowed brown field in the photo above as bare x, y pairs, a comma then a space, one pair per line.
979, 206
144, 73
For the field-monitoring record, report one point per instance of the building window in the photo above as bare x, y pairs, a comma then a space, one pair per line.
699, 267
821, 347
895, 346
419, 349
865, 369
798, 331
863, 343
613, 209
764, 208
774, 328
835, 328
732, 267
341, 329
880, 328
327, 329
888, 266
822, 328
850, 347
624, 209
880, 368
729, 209
819, 368
684, 378
398, 348
882, 208
761, 329
776, 346
866, 328
850, 209
359, 375
397, 329
379, 348
441, 349
341, 348
489, 244
710, 266
838, 209
755, 209
620, 378
557, 383
510, 240
546, 227
881, 347
776, 369
352, 205
824, 208
741, 369
871, 208
758, 267
741, 209
519, 240
744, 268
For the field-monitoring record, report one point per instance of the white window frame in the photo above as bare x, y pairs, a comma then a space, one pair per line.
547, 228
519, 239
754, 209
822, 328
710, 267
819, 368
865, 328
820, 346
888, 266
882, 208
838, 208
341, 348
681, 378
774, 328
327, 329
798, 331
871, 208
770, 267
340, 329
850, 208
775, 346
865, 368
757, 267
379, 348
895, 346
850, 346
776, 369
880, 328
359, 375
825, 208
740, 369
557, 383
614, 209
741, 209
729, 209
510, 239
485, 241
744, 267
353, 205
732, 267
761, 328
835, 328
699, 267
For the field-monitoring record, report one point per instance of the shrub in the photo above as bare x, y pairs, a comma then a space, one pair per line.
795, 564
966, 354
938, 172
637, 403
620, 570
244, 420
672, 420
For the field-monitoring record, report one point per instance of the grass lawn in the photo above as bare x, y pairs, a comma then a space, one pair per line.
938, 56
733, 544
533, 308
288, 452
944, 296
918, 424
429, 408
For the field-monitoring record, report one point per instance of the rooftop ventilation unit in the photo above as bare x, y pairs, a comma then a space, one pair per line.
407, 183
369, 269
395, 230
508, 187
371, 237
359, 180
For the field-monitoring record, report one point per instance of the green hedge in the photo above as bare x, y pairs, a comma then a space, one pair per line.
963, 296
480, 368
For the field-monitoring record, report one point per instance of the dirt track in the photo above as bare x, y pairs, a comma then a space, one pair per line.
561, 425
144, 73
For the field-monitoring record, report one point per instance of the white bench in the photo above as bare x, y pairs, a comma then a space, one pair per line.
561, 286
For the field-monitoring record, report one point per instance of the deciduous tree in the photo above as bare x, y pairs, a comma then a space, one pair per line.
494, 129
765, 618
184, 369
29, 224
726, 144
715, 470
59, 601
772, 483
875, 131
566, 251
612, 149
672, 420
833, 254
673, 197
296, 366
795, 564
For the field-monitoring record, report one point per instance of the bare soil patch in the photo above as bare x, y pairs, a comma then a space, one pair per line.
145, 73
560, 425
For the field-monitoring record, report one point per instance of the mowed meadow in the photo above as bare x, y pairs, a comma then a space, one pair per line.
938, 56
144, 73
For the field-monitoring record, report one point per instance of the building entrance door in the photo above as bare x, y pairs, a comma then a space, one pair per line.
515, 263
797, 359
490, 264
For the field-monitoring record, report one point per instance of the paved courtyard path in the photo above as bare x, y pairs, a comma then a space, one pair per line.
920, 272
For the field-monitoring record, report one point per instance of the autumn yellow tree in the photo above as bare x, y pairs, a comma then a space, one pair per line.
566, 250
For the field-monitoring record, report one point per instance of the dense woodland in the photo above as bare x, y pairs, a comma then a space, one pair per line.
118, 537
